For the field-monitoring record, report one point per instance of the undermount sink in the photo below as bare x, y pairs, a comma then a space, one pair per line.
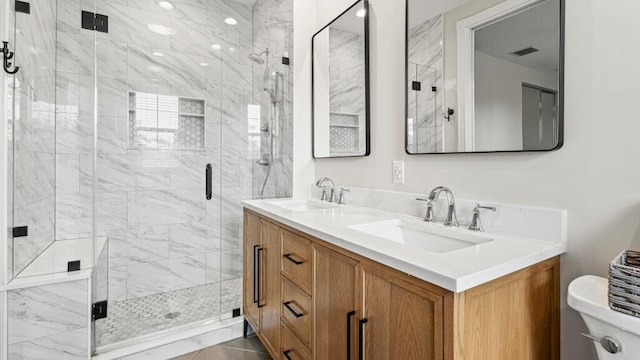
423, 236
301, 205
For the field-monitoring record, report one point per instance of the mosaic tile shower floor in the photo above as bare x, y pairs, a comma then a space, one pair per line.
133, 318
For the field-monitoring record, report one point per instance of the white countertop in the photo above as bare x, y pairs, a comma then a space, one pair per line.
457, 271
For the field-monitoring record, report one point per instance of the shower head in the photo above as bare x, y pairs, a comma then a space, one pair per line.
257, 58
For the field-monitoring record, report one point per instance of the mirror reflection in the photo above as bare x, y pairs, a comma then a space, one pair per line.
483, 76
340, 86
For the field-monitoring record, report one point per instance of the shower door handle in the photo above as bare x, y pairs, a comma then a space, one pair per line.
207, 185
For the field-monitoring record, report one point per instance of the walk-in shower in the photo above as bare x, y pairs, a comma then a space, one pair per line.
131, 147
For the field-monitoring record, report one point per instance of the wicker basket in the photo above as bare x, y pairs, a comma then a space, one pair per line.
624, 283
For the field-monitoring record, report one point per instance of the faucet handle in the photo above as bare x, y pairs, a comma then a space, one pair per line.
476, 224
485, 207
429, 216
341, 200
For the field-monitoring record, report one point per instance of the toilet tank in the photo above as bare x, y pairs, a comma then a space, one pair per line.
588, 296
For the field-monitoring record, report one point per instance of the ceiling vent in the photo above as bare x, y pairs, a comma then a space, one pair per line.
525, 51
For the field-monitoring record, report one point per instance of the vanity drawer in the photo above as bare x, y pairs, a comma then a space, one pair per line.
296, 311
292, 347
296, 259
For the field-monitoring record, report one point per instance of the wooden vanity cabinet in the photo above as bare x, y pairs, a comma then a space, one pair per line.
399, 320
345, 306
261, 283
335, 313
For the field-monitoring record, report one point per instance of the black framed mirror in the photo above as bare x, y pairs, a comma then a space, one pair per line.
340, 85
484, 76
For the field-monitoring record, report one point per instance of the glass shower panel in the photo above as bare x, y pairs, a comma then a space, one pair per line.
159, 115
32, 134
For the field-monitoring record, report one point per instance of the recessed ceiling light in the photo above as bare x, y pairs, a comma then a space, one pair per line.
157, 53
216, 47
161, 29
155, 68
204, 64
231, 21
166, 5
361, 13
232, 49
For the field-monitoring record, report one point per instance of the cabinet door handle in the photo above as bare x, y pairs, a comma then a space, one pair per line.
286, 304
297, 262
350, 314
255, 274
259, 279
286, 354
361, 338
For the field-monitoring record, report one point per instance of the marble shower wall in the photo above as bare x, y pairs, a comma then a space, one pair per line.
32, 133
347, 89
426, 106
163, 234
273, 29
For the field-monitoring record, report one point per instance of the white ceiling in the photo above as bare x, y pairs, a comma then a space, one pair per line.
537, 27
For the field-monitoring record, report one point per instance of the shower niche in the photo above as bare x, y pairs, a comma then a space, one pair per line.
166, 122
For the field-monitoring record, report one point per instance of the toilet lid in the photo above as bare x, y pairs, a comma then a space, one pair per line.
588, 295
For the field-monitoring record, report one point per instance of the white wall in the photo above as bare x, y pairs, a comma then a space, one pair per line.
595, 176
304, 19
498, 100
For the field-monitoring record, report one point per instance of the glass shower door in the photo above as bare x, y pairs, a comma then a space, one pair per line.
32, 136
158, 131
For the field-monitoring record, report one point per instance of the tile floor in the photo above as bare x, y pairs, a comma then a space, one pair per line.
237, 349
133, 318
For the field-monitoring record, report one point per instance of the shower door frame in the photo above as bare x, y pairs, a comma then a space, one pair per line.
5, 12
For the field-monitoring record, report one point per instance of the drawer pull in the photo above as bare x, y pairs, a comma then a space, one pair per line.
361, 338
350, 314
286, 304
286, 354
297, 262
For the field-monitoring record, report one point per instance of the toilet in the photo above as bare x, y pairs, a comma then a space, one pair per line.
588, 296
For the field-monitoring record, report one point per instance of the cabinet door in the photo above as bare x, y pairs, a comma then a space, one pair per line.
270, 285
251, 246
399, 320
334, 305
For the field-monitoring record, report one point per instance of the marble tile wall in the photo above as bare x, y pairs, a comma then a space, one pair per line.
32, 136
49, 322
347, 89
426, 66
273, 29
163, 234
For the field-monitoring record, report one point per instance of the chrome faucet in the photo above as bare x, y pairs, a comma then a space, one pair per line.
452, 219
476, 224
332, 194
